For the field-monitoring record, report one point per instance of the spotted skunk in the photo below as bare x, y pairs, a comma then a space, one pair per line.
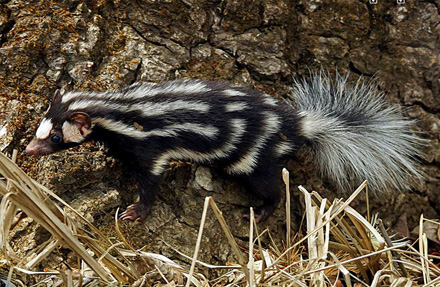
350, 129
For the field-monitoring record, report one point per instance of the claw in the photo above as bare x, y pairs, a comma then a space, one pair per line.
135, 212
258, 217
260, 213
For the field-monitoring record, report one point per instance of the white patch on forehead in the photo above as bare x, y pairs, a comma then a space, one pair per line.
71, 133
44, 129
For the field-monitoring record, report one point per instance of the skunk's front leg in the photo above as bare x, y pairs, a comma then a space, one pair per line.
148, 186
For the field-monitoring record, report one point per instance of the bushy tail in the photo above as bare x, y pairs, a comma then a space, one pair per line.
355, 136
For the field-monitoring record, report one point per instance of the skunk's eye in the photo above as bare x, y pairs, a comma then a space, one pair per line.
56, 139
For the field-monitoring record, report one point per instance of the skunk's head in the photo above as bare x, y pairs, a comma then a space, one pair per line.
59, 129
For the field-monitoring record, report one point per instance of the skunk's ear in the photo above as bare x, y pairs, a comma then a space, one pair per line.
57, 97
77, 128
82, 121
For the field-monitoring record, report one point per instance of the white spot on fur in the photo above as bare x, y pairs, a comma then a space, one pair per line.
234, 107
283, 148
247, 163
237, 126
44, 129
71, 133
233, 93
268, 100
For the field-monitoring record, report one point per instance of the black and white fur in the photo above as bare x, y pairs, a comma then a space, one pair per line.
244, 131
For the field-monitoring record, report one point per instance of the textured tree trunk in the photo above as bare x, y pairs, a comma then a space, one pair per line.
100, 45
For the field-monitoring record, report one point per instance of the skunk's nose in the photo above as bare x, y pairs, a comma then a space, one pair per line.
31, 148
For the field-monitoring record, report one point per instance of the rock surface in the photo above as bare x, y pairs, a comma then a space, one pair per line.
99, 45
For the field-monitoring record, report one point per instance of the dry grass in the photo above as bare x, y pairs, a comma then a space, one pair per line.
340, 248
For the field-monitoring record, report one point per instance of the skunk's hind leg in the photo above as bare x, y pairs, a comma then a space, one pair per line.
266, 185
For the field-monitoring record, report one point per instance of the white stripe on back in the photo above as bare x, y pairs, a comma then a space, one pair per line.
146, 109
208, 131
233, 93
177, 88
120, 128
238, 128
140, 90
249, 161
